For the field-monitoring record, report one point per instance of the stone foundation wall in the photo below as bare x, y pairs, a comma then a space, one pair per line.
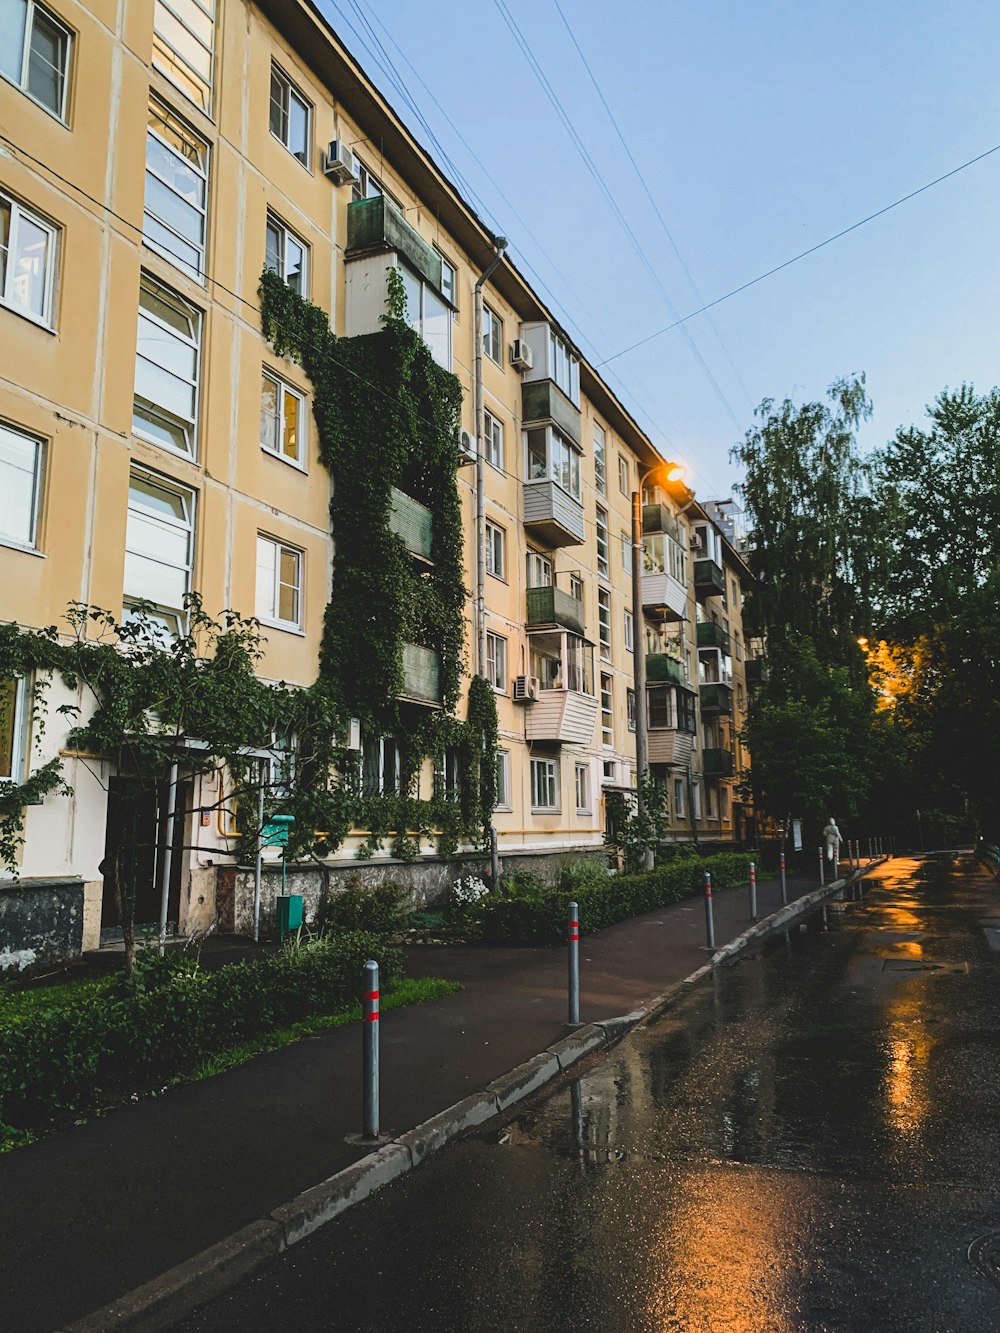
41, 922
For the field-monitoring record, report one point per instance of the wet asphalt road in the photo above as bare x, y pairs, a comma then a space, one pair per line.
809, 1140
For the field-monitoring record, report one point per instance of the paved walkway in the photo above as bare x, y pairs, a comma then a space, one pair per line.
93, 1212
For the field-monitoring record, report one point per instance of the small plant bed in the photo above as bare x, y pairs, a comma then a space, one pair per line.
69, 1052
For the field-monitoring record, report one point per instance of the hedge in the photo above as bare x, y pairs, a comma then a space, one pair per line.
86, 1052
542, 916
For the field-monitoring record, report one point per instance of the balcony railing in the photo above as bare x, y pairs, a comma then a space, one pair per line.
716, 698
661, 667
378, 224
709, 580
411, 520
552, 606
421, 676
712, 635
552, 514
663, 597
717, 763
757, 671
658, 518
544, 401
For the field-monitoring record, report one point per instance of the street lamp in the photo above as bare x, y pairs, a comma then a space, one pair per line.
671, 474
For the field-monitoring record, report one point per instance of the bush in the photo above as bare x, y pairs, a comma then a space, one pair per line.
355, 907
520, 884
584, 872
86, 1051
541, 916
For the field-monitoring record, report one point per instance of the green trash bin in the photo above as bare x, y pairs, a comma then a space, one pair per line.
289, 913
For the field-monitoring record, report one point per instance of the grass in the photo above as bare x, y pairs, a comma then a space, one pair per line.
25, 1003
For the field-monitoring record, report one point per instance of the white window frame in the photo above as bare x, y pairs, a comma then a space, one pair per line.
630, 708
189, 425
600, 459
564, 367
607, 699
418, 286
679, 801
22, 80
602, 540
160, 111
503, 801
537, 569
282, 762
175, 617
449, 282
284, 235
496, 550
626, 541
545, 783
279, 547
290, 90
696, 798
37, 486
604, 623
582, 779
629, 627
367, 185
19, 733
367, 748
7, 295
205, 83
624, 475
493, 335
285, 390
496, 661
492, 439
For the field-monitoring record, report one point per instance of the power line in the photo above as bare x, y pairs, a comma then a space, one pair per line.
803, 254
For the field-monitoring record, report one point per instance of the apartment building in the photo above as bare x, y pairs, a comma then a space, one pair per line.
155, 157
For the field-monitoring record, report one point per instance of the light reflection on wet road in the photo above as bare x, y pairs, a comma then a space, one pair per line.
809, 1140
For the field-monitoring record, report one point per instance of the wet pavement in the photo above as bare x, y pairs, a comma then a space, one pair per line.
809, 1140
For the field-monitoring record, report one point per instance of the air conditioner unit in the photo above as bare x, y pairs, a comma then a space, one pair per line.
339, 164
521, 356
697, 542
525, 689
466, 450
351, 735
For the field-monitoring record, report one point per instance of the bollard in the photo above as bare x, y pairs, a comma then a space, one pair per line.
784, 884
822, 869
369, 1002
709, 914
573, 940
753, 891
869, 849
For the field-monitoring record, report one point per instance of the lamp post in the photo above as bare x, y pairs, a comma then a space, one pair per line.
672, 472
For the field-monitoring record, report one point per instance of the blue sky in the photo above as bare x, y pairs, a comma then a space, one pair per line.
760, 128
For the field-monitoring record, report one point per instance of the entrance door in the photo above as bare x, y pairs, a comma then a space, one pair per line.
136, 830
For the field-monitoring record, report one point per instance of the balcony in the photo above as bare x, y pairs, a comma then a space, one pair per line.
377, 224
717, 763
661, 667
552, 515
658, 518
411, 520
716, 698
712, 635
709, 580
421, 676
667, 745
564, 716
757, 671
552, 606
543, 403
663, 597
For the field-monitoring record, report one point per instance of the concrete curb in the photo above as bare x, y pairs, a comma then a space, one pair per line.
162, 1302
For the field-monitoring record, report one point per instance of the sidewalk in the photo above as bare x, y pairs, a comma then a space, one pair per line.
94, 1212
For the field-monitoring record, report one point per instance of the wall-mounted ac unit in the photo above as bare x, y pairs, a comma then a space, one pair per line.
525, 689
697, 541
339, 164
521, 357
351, 737
466, 450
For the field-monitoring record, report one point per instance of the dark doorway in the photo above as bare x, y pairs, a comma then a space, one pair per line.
137, 825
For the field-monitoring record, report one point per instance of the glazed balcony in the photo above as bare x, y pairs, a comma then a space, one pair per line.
709, 580
421, 676
658, 518
717, 763
716, 698
411, 520
544, 403
662, 667
552, 606
712, 635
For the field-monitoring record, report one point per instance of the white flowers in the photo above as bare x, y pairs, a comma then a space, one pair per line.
468, 890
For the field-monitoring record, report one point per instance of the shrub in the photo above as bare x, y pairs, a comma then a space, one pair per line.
356, 907
583, 872
521, 884
85, 1051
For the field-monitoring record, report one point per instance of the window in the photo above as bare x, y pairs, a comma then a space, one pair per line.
609, 768
630, 708
281, 763
576, 587
711, 802
282, 420
565, 367
600, 460
449, 282
287, 255
551, 455
496, 550
583, 789
503, 780
366, 186
724, 803
607, 713
493, 440
428, 314
740, 695
602, 543
173, 220
183, 42
492, 335
538, 570
545, 784
34, 53
13, 728
27, 261
604, 622
496, 661
165, 408
629, 632
290, 116
696, 799
679, 798
159, 547
279, 583
626, 553
379, 765
623, 475
22, 463
448, 775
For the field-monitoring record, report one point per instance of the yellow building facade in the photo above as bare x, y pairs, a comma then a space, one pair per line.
155, 155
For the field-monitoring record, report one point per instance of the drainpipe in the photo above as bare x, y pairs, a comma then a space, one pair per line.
168, 854
499, 245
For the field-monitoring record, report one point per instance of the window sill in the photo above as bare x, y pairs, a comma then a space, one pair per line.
283, 458
304, 165
282, 625
545, 810
27, 315
162, 448
25, 550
